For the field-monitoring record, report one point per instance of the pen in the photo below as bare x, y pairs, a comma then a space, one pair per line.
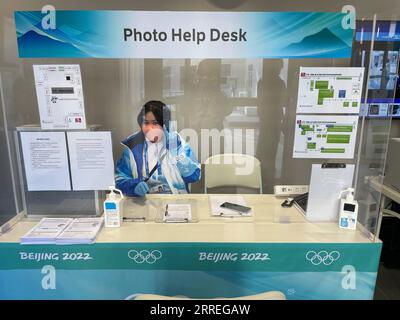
134, 219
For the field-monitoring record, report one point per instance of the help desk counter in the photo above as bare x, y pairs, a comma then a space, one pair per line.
276, 249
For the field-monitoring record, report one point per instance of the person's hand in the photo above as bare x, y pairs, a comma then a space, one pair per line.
159, 179
141, 189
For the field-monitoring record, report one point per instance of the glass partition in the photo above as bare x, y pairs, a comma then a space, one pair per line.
218, 106
376, 47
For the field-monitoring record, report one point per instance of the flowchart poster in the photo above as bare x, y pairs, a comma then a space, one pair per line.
325, 137
330, 90
60, 96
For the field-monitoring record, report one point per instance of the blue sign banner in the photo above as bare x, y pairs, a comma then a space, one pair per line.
196, 270
169, 34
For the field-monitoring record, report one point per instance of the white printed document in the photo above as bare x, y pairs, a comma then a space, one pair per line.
46, 231
64, 231
60, 96
81, 231
91, 159
331, 137
45, 161
330, 90
326, 183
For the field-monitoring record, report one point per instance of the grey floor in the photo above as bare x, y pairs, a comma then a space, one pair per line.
387, 284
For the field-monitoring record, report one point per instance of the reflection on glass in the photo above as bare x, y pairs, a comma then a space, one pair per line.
271, 102
173, 74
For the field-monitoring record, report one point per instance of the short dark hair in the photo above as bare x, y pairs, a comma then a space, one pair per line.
159, 109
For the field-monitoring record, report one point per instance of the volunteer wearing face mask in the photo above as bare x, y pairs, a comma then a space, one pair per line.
154, 159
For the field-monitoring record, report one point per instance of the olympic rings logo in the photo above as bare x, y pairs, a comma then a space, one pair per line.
322, 257
144, 256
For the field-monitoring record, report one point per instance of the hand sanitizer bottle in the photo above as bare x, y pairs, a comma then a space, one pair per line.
113, 208
348, 210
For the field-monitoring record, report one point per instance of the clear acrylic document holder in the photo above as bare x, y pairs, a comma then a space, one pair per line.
177, 211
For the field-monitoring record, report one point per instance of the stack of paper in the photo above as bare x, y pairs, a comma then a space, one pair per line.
46, 231
63, 231
81, 231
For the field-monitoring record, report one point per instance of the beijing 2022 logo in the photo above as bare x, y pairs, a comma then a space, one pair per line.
145, 256
324, 257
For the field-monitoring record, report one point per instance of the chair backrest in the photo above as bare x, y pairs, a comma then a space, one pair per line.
269, 295
232, 170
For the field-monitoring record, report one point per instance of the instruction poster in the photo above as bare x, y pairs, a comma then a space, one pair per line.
330, 90
91, 158
60, 96
330, 137
46, 161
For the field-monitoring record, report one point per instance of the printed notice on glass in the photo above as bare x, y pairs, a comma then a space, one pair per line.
330, 137
91, 159
46, 161
60, 96
330, 90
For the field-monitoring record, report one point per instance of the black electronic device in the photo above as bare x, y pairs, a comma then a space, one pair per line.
235, 207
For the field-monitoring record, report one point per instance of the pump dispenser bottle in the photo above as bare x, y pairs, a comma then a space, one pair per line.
348, 210
113, 208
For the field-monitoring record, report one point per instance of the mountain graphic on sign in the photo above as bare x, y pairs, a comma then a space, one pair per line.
324, 41
32, 44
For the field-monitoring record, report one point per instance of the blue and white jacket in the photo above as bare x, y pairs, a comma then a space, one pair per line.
179, 165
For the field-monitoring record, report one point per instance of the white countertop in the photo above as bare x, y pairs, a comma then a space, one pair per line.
270, 223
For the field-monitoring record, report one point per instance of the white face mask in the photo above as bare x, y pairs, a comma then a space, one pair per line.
154, 134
